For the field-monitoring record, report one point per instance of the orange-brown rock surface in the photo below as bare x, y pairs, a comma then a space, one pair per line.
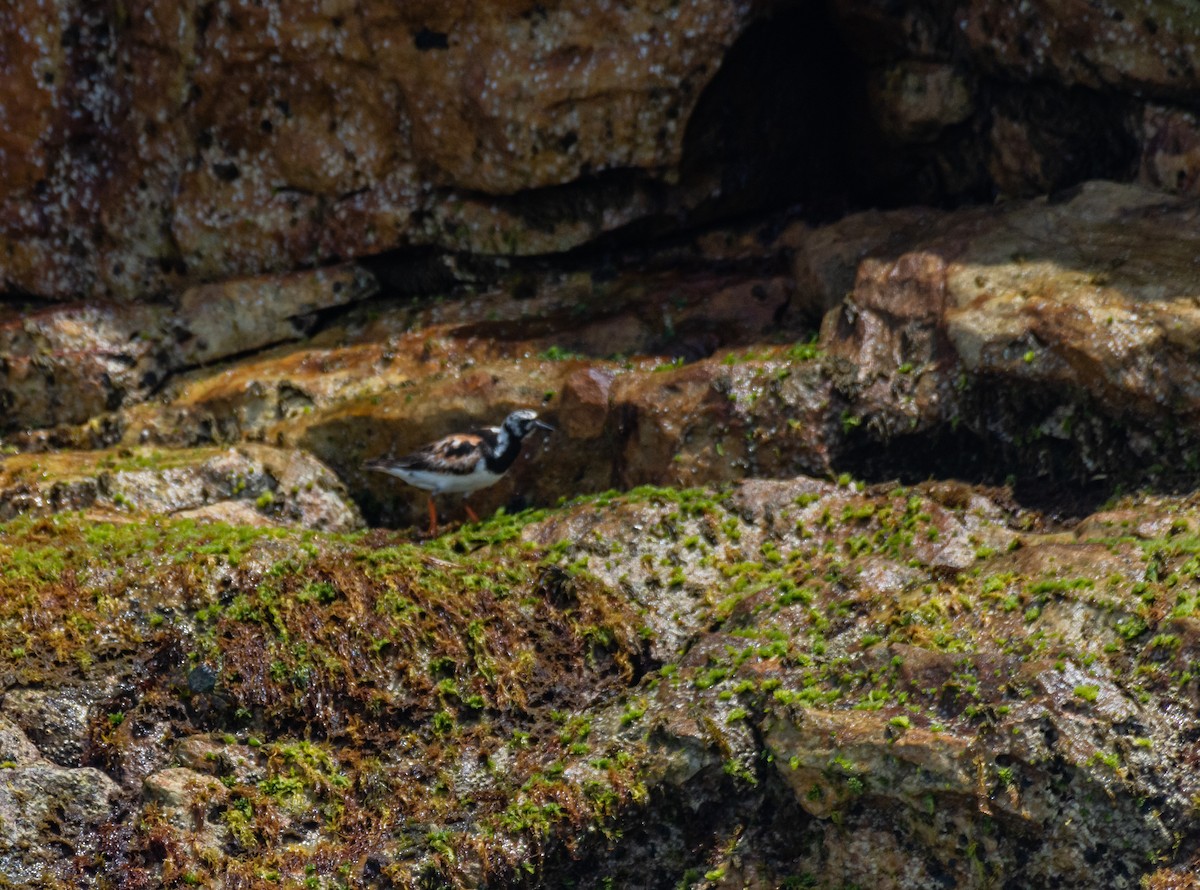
162, 144
153, 147
1068, 320
1055, 333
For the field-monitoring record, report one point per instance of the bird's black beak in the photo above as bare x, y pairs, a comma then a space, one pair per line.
544, 426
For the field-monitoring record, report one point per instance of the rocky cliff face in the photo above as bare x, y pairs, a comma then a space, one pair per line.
863, 553
161, 144
153, 146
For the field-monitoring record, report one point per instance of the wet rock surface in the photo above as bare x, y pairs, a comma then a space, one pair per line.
42, 801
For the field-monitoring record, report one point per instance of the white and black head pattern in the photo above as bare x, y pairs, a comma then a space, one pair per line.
521, 423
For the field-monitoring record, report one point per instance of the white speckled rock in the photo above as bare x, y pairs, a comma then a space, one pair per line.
267, 485
41, 800
271, 136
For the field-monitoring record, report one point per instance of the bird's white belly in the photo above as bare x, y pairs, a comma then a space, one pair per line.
441, 483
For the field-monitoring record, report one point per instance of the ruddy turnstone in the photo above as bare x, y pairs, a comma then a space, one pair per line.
463, 462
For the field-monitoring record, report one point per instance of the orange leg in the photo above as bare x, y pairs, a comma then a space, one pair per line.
432, 518
470, 512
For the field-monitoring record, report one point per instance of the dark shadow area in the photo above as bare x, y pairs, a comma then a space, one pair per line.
421, 271
962, 455
676, 838
791, 120
778, 124
1059, 454
1074, 135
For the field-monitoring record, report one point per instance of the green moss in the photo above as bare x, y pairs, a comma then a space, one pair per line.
634, 711
558, 354
1087, 692
805, 352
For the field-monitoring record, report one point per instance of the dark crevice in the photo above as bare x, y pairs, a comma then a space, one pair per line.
1061, 454
673, 846
425, 271
963, 455
778, 123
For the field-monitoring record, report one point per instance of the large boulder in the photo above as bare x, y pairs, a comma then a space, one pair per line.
161, 145
1068, 319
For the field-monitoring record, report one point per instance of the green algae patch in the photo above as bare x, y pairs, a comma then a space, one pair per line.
366, 685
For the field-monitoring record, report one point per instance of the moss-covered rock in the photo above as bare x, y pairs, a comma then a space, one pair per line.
249, 484
783, 683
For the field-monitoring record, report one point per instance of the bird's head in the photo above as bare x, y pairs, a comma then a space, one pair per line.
521, 423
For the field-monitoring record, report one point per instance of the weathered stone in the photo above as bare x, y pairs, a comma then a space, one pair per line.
1128, 44
826, 259
915, 101
1089, 297
583, 407
15, 747
915, 792
1093, 287
763, 501
272, 486
214, 321
58, 721
349, 130
719, 421
68, 364
72, 363
40, 801
188, 800
230, 512
910, 765
1171, 150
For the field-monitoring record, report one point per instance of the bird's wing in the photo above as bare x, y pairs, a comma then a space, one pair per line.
489, 435
454, 454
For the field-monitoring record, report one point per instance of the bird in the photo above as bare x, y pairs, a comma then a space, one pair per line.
463, 463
